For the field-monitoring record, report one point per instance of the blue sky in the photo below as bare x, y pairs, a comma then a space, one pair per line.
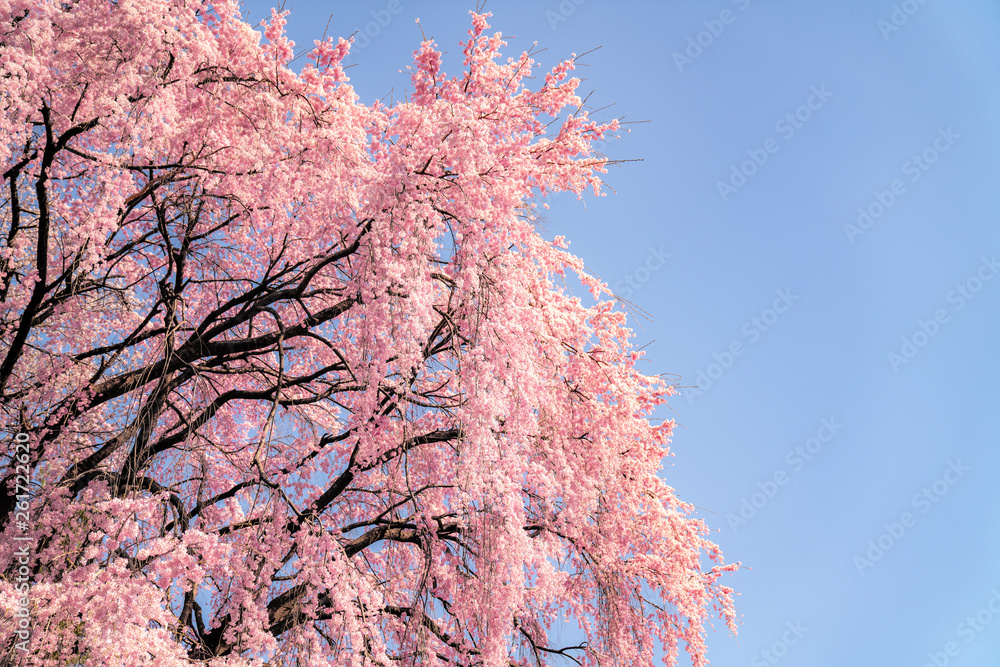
860, 407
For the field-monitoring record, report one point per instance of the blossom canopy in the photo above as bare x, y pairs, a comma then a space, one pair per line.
289, 379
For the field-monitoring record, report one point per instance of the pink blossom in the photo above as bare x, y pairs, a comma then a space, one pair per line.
300, 379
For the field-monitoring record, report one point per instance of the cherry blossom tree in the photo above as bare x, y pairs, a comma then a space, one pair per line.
288, 379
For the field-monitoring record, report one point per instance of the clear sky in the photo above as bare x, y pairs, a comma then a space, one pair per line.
813, 232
